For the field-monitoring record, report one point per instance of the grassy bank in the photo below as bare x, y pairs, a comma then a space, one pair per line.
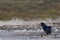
29, 10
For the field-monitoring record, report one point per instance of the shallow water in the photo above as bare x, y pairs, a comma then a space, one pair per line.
27, 38
14, 35
18, 35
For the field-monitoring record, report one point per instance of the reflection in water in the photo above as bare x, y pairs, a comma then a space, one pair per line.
14, 35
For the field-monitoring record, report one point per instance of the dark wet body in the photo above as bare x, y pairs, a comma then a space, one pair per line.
47, 29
